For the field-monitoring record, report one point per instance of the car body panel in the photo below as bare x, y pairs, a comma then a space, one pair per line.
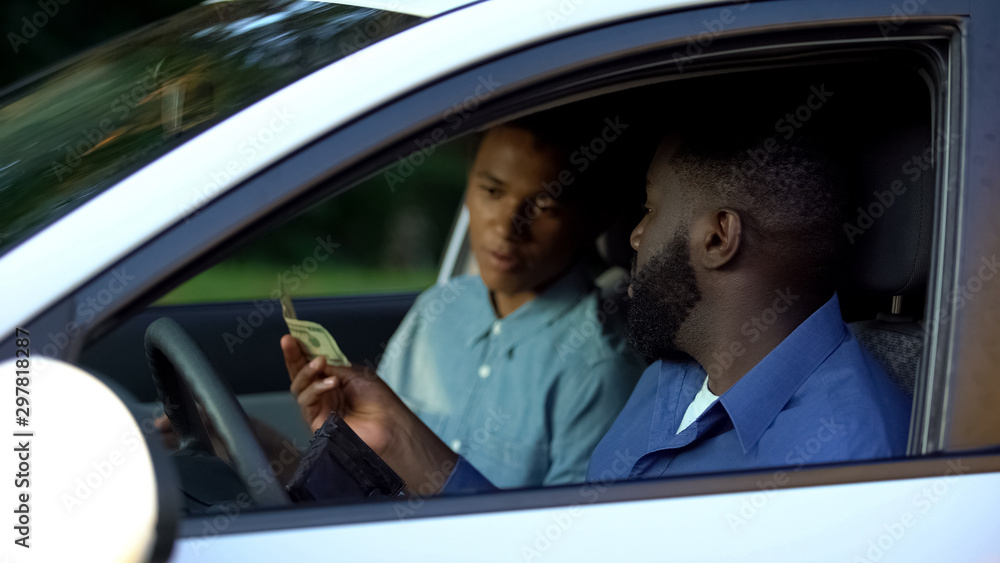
901, 520
971, 299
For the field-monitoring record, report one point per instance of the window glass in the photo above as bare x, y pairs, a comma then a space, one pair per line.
386, 234
74, 131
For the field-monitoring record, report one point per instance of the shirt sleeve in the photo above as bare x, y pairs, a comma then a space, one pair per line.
465, 479
584, 407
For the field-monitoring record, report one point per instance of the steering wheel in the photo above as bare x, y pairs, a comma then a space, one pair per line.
182, 373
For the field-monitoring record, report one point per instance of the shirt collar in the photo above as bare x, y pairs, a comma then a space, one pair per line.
677, 385
757, 398
541, 311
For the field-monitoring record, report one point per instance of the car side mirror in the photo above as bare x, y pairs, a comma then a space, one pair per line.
82, 474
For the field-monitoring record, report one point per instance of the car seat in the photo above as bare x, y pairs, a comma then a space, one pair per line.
890, 229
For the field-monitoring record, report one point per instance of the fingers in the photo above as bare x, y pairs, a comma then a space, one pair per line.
295, 356
308, 373
312, 393
349, 374
166, 432
162, 423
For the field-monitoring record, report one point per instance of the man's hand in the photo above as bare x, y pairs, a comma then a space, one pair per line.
275, 445
315, 406
357, 395
372, 410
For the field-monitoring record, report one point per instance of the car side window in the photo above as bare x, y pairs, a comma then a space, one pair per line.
403, 221
387, 234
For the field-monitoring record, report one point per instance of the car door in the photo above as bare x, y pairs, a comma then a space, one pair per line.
858, 511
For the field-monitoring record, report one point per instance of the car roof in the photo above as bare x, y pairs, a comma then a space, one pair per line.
149, 201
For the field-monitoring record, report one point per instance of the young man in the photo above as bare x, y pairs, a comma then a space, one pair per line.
720, 245
522, 368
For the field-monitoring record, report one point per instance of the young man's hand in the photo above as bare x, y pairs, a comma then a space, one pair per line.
372, 410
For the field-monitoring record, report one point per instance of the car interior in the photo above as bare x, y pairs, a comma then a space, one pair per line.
878, 111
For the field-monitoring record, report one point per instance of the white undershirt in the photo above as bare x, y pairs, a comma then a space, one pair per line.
700, 404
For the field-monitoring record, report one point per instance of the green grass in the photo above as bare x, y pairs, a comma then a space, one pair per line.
245, 281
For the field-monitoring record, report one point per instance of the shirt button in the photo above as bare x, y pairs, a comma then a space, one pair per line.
455, 444
484, 371
496, 327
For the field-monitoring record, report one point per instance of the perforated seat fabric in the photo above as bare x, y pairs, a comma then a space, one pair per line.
897, 347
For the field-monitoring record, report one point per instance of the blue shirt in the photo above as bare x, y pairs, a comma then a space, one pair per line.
817, 397
525, 398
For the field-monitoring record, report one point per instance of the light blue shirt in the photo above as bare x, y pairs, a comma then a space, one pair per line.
817, 397
525, 398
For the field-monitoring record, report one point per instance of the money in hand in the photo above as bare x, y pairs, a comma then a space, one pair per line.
313, 336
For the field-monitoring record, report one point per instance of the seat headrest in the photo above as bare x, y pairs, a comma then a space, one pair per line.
891, 218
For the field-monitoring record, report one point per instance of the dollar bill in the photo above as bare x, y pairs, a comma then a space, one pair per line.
287, 309
315, 338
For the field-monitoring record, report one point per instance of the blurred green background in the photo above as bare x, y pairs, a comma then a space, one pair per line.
382, 239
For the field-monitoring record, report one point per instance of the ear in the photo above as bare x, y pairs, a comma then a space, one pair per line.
721, 236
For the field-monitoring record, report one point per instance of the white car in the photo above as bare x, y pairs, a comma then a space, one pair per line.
308, 130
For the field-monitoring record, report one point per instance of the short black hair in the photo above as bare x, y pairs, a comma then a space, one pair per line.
791, 193
600, 183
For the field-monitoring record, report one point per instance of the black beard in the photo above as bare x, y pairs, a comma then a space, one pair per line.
663, 294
